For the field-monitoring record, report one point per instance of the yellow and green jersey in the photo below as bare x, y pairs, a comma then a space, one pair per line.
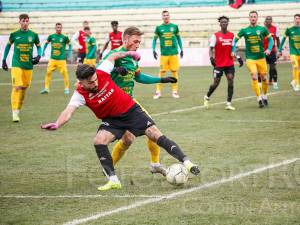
58, 46
91, 47
126, 83
23, 47
254, 39
167, 34
293, 33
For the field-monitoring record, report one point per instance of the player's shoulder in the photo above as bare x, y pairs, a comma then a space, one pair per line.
32, 31
15, 31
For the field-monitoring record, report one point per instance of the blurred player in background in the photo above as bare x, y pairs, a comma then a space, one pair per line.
57, 58
114, 37
256, 55
91, 48
126, 81
272, 58
97, 91
169, 39
78, 40
293, 33
220, 57
22, 62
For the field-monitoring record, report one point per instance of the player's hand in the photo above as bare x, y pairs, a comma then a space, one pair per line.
279, 55
50, 126
181, 54
121, 70
240, 60
154, 54
168, 80
135, 55
36, 60
4, 65
100, 55
267, 52
212, 61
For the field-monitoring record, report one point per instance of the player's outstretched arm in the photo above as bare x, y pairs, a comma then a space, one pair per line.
148, 79
63, 118
118, 55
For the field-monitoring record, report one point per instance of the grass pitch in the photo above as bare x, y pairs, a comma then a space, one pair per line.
51, 177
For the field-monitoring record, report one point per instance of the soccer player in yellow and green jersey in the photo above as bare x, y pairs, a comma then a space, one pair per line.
293, 33
57, 58
91, 48
22, 62
169, 38
256, 55
125, 80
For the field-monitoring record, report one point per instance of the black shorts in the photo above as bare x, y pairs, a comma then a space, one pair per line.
272, 58
80, 57
218, 71
135, 121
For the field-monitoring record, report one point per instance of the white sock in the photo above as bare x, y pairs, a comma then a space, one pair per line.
114, 179
187, 163
155, 164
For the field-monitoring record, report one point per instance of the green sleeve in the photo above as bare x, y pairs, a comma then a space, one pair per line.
92, 51
270, 43
281, 44
235, 41
179, 41
146, 79
70, 51
44, 47
39, 50
240, 33
6, 51
154, 43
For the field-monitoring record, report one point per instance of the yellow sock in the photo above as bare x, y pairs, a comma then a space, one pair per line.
175, 86
65, 75
296, 76
118, 151
264, 86
255, 87
48, 79
154, 151
159, 86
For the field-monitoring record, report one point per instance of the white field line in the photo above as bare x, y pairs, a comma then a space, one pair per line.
34, 82
258, 121
217, 103
180, 193
78, 196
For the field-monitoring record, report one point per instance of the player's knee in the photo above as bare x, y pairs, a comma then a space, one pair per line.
20, 88
128, 139
254, 76
230, 82
153, 133
101, 140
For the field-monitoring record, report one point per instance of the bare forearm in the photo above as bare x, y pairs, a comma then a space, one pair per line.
65, 116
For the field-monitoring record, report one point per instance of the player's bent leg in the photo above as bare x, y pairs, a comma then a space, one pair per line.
171, 147
121, 146
211, 90
102, 139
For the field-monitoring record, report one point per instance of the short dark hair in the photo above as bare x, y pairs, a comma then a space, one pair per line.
165, 11
114, 22
58, 24
85, 71
86, 28
253, 11
223, 17
133, 31
269, 18
23, 16
297, 15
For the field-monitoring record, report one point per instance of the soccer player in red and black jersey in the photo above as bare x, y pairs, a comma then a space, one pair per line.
220, 57
78, 40
114, 37
272, 58
119, 113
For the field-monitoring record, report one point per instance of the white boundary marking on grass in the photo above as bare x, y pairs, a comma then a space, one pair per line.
217, 103
79, 196
179, 193
259, 121
34, 82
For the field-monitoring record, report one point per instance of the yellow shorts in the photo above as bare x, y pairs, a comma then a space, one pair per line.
170, 62
295, 60
257, 66
20, 77
91, 62
54, 64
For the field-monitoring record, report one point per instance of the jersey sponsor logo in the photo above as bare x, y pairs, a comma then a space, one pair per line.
106, 96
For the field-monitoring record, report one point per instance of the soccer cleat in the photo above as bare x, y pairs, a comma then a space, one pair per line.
275, 86
261, 104
206, 102
66, 91
265, 102
157, 95
194, 169
110, 185
175, 94
229, 107
15, 117
44, 91
297, 88
158, 169
293, 85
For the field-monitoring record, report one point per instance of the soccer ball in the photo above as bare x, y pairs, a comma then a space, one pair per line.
177, 174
